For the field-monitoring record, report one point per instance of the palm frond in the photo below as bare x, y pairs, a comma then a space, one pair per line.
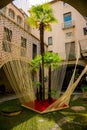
42, 13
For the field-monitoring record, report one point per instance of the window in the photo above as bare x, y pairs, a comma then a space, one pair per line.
34, 50
19, 20
67, 19
7, 34
50, 41
85, 30
70, 50
23, 46
69, 35
27, 27
7, 39
11, 13
64, 4
50, 51
23, 42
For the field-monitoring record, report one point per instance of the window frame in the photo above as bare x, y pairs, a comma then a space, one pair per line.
50, 41
70, 55
7, 40
68, 35
23, 46
34, 50
85, 31
19, 20
67, 19
11, 13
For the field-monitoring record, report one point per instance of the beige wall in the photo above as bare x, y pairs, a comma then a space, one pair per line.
59, 35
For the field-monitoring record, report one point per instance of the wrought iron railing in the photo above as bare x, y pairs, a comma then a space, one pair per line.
68, 24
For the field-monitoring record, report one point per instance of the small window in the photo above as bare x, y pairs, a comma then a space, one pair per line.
23, 46
64, 4
7, 40
34, 51
50, 51
50, 42
11, 13
85, 30
23, 42
67, 17
7, 34
19, 20
69, 35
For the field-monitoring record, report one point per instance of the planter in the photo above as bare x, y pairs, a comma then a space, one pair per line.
84, 90
4, 113
41, 106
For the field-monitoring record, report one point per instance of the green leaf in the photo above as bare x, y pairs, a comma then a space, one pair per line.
36, 62
42, 13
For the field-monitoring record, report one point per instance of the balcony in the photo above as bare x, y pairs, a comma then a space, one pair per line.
68, 24
83, 47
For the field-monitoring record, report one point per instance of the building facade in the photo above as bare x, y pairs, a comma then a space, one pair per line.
15, 39
70, 30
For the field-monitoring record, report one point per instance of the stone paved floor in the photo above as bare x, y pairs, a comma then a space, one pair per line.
6, 97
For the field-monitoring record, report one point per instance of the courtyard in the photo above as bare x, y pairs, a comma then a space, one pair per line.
15, 117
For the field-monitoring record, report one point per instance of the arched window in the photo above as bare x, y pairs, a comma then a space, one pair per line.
19, 20
11, 13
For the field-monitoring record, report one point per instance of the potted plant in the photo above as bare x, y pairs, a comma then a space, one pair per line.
84, 90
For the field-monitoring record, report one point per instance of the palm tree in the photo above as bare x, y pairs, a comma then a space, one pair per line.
52, 61
41, 17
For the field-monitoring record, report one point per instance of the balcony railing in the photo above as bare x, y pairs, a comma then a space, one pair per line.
83, 47
68, 24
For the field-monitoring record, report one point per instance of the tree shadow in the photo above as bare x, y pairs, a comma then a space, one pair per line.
24, 121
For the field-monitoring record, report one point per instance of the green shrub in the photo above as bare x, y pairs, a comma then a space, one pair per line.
84, 87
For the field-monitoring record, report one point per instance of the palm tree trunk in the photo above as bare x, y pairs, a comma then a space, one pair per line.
42, 54
40, 80
49, 84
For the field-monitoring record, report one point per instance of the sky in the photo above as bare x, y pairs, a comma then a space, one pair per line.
26, 4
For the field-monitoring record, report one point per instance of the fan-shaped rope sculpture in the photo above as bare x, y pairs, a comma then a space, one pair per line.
17, 71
